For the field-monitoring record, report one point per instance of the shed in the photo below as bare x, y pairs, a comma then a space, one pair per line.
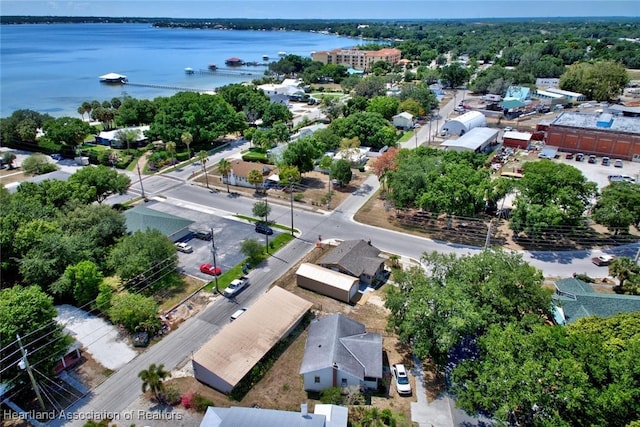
225, 360
465, 122
477, 140
327, 282
141, 218
516, 139
403, 120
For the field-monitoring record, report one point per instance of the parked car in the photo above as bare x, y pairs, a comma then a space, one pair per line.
579, 157
617, 163
141, 339
210, 269
202, 234
592, 159
263, 228
236, 286
602, 260
403, 386
616, 178
508, 128
237, 314
57, 156
183, 247
606, 161
569, 156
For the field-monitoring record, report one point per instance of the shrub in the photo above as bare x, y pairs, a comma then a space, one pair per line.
186, 400
172, 395
253, 156
124, 162
48, 146
181, 157
37, 164
201, 403
298, 197
331, 395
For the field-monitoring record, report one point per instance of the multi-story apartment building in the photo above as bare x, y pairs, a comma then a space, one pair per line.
357, 59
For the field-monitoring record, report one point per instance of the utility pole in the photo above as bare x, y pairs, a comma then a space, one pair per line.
266, 219
291, 199
329, 193
140, 178
24, 364
487, 241
215, 265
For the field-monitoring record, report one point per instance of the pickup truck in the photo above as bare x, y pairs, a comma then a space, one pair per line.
235, 287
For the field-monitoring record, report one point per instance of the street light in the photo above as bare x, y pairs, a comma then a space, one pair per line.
140, 178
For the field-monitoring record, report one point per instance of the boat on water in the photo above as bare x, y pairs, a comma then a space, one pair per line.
234, 62
189, 70
113, 78
282, 53
213, 67
265, 57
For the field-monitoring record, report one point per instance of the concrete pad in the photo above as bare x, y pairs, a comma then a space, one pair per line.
98, 337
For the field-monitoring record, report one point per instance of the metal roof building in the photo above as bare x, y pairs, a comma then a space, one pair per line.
224, 361
327, 282
477, 140
465, 122
323, 416
141, 218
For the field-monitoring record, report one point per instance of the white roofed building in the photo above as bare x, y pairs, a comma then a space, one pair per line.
465, 122
476, 140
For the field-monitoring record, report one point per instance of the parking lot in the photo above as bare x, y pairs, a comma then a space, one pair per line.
599, 173
228, 235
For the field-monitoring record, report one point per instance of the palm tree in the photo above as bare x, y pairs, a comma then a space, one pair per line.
171, 149
81, 111
203, 156
187, 139
224, 167
255, 178
152, 380
623, 268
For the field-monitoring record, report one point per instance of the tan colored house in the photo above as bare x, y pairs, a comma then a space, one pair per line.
240, 172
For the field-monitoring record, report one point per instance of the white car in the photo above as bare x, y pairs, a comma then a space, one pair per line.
235, 287
403, 386
183, 247
237, 314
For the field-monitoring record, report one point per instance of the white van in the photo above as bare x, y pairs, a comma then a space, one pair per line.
237, 314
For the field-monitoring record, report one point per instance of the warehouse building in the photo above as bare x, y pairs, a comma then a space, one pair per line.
515, 139
464, 123
478, 140
600, 134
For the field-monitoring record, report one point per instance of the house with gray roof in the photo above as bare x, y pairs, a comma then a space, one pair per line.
324, 416
140, 218
356, 258
340, 353
576, 299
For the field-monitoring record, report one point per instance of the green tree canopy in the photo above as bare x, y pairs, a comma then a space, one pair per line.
462, 297
134, 312
618, 206
386, 106
551, 194
600, 81
37, 164
29, 312
99, 182
371, 129
275, 112
301, 154
149, 253
81, 281
341, 171
67, 131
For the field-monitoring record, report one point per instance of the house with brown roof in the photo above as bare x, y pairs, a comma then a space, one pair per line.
356, 258
240, 172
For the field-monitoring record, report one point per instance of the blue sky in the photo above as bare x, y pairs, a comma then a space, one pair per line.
319, 9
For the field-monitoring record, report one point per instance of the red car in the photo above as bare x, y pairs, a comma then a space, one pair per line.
210, 269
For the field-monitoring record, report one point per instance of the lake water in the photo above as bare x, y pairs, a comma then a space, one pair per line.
55, 68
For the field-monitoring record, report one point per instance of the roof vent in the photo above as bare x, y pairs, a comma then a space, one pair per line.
304, 410
605, 121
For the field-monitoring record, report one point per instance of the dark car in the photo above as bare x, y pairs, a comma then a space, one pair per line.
263, 228
602, 260
579, 157
592, 159
141, 339
569, 156
202, 234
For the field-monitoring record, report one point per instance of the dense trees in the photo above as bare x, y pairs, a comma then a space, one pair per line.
99, 182
584, 373
618, 206
341, 171
439, 181
462, 297
205, 117
371, 129
29, 312
301, 153
148, 253
134, 312
67, 131
600, 81
551, 195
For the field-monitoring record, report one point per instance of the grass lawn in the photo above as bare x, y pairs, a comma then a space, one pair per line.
406, 136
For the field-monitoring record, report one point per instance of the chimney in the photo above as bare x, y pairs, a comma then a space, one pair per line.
303, 410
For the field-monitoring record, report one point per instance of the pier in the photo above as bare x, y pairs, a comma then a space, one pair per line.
169, 87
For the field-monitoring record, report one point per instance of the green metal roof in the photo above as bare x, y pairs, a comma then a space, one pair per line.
510, 104
578, 299
141, 218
